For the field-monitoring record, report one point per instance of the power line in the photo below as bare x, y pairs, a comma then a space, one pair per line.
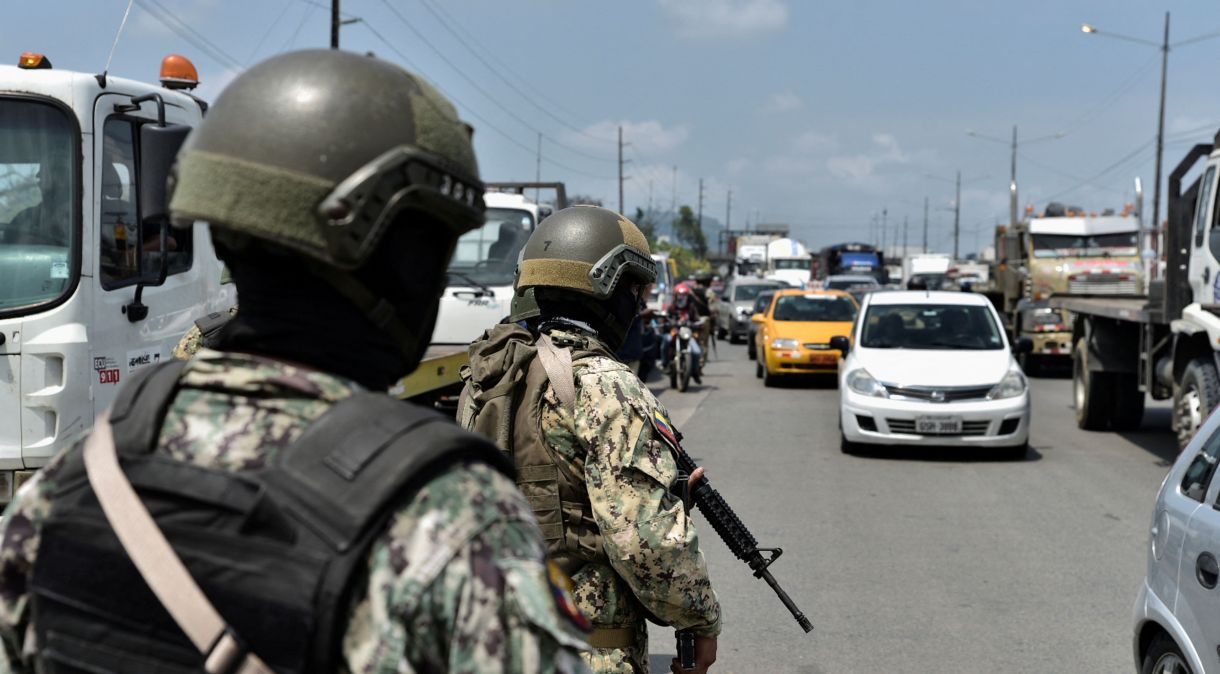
470, 111
531, 99
267, 34
471, 81
168, 19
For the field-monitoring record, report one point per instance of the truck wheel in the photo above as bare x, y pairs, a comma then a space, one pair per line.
1198, 393
1091, 391
1128, 402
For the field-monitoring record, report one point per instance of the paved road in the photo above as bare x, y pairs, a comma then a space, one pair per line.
927, 562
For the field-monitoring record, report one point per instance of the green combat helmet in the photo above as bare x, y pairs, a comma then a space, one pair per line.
320, 153
583, 254
524, 306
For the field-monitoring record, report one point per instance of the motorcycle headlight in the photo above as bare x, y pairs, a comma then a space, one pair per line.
785, 344
1012, 385
860, 381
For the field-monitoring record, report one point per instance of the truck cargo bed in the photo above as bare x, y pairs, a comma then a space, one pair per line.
1135, 309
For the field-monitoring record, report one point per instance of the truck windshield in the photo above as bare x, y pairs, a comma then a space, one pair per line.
800, 263
930, 326
37, 214
488, 255
1077, 245
859, 261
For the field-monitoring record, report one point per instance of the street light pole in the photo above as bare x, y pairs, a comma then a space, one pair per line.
1012, 187
957, 215
1160, 130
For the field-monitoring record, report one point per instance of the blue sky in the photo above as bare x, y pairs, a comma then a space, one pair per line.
815, 114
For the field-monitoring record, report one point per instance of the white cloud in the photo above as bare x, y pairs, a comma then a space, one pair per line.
649, 136
814, 141
725, 18
860, 168
784, 101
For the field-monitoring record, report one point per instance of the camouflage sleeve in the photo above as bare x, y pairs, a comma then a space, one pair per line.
461, 575
189, 344
19, 534
650, 540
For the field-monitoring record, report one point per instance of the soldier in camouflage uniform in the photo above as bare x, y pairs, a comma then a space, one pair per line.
597, 461
456, 581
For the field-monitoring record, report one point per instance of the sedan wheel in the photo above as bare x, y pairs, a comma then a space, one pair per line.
1164, 657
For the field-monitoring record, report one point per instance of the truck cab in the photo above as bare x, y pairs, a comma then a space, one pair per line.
94, 284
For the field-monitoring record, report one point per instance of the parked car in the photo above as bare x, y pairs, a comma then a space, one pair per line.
736, 301
856, 284
932, 368
1177, 615
760, 306
794, 333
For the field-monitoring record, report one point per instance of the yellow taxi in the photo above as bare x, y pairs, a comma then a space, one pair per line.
793, 336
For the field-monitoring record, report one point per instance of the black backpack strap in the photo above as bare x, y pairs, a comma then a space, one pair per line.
141, 405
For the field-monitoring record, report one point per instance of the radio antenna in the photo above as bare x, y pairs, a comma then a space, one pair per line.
101, 79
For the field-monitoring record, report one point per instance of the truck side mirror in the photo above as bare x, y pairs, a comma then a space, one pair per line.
841, 344
159, 147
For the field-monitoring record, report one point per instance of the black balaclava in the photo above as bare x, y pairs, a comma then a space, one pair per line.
289, 313
609, 318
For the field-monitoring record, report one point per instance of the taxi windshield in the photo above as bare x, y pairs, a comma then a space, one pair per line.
37, 217
930, 326
814, 308
488, 255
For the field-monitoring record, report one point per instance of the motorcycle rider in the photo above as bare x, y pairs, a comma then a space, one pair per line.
685, 308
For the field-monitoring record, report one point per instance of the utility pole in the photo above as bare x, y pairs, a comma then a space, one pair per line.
650, 197
904, 236
884, 213
334, 24
1012, 187
728, 210
699, 219
1160, 132
925, 224
673, 202
538, 169
620, 169
957, 214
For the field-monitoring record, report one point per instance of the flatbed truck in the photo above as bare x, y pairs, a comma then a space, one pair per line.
1165, 344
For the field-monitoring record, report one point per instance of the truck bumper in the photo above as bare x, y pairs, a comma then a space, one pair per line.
1051, 343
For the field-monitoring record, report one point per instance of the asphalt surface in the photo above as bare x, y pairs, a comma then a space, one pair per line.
920, 561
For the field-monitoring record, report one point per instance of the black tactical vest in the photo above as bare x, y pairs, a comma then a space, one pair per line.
277, 551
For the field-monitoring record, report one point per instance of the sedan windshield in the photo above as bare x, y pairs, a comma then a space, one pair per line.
851, 284
37, 184
814, 308
930, 326
745, 293
488, 255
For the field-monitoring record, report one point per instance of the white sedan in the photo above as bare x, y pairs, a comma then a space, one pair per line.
931, 368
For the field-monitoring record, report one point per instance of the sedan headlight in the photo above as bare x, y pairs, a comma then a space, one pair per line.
860, 381
743, 312
785, 344
1012, 385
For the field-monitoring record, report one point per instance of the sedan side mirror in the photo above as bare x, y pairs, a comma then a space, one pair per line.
841, 344
758, 318
1023, 345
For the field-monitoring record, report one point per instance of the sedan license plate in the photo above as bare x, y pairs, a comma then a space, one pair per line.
823, 358
940, 424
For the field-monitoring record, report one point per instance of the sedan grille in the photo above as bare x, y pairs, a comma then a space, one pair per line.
812, 346
939, 395
907, 426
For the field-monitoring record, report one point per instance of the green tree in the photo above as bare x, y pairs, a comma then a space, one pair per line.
584, 200
647, 225
689, 233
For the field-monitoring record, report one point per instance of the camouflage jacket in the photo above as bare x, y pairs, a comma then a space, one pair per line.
456, 582
610, 435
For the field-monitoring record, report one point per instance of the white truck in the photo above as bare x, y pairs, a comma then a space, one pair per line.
789, 261
1166, 343
930, 269
94, 284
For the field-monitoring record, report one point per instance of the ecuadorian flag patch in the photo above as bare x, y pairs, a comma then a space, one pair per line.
561, 590
666, 429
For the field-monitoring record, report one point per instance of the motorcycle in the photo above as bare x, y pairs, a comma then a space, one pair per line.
682, 358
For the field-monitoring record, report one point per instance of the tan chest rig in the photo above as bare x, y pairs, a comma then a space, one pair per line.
506, 382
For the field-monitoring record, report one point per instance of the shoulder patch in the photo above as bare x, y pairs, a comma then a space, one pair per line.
562, 589
666, 429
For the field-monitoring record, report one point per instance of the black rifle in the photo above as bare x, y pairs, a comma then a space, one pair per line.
739, 539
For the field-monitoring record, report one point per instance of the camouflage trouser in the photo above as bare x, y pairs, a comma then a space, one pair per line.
631, 660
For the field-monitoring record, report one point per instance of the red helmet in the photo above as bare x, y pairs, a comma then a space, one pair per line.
681, 289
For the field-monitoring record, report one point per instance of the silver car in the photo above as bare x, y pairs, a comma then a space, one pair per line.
737, 303
1177, 613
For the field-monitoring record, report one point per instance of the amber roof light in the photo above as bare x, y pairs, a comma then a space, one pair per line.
33, 61
177, 72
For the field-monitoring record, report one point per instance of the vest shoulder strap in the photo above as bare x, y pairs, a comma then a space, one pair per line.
350, 464
141, 404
